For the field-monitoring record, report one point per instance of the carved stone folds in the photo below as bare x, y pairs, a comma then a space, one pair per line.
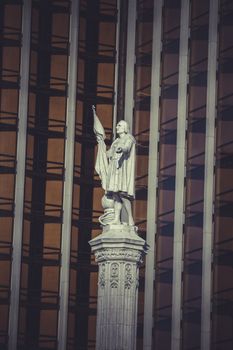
119, 252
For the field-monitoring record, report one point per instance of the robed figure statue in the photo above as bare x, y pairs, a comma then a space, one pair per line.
116, 169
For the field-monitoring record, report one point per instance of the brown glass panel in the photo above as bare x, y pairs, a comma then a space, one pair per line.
195, 157
41, 255
222, 320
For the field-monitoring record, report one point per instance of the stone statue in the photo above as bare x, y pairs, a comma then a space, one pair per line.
116, 169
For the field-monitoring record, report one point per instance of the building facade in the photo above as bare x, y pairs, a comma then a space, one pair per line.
165, 66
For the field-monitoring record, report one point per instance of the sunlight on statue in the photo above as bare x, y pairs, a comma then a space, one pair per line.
116, 169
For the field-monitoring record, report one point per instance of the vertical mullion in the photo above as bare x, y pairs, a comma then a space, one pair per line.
19, 183
180, 175
209, 177
130, 60
152, 174
116, 67
68, 183
20, 176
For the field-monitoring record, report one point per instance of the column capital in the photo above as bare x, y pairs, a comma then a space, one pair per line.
119, 242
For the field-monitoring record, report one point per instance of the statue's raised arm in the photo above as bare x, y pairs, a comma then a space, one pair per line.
116, 169
98, 127
101, 163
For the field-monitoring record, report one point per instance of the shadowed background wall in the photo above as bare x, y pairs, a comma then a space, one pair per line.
166, 66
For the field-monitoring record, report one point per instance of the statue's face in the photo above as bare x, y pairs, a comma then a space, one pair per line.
120, 128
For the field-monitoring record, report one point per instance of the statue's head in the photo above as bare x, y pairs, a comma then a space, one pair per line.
122, 126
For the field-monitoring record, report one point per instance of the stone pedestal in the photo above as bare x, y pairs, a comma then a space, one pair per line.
118, 252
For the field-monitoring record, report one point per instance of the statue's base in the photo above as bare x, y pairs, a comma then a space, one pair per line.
119, 252
118, 235
123, 228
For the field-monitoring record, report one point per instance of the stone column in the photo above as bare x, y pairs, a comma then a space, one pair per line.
118, 252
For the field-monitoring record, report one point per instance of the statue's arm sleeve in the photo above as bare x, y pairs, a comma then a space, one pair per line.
127, 146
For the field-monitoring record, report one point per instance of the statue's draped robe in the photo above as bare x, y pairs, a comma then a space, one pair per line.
117, 173
101, 164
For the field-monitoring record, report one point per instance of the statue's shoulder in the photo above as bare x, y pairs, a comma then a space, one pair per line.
115, 141
131, 138
128, 137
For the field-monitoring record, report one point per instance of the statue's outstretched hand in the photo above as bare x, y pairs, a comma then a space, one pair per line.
98, 127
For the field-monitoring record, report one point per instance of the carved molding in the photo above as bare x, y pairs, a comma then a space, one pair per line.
129, 276
101, 281
118, 254
128, 272
114, 275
